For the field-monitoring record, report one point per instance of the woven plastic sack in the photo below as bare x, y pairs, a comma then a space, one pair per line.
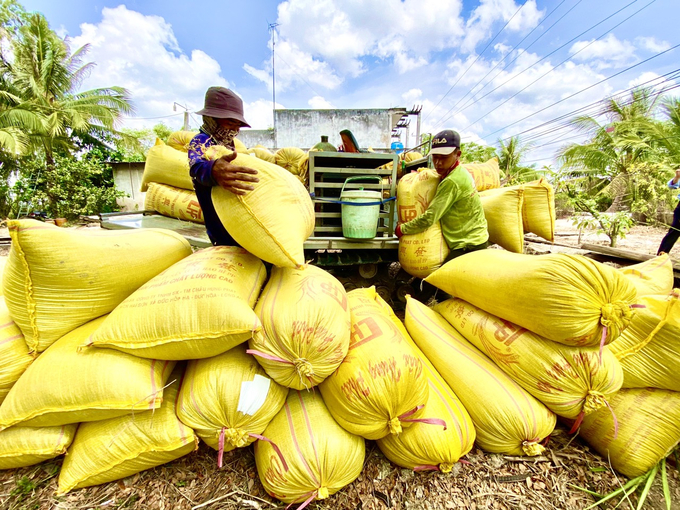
306, 322
173, 202
180, 140
642, 428
380, 387
26, 446
410, 156
57, 279
166, 166
14, 356
108, 450
486, 175
424, 446
649, 349
261, 153
652, 277
3, 262
507, 418
273, 220
569, 299
291, 158
319, 457
240, 147
200, 307
64, 386
422, 253
503, 212
228, 400
568, 380
538, 212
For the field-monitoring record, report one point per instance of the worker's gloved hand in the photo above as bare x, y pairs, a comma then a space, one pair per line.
397, 231
232, 177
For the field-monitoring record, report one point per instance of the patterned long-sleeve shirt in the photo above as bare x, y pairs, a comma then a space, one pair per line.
200, 169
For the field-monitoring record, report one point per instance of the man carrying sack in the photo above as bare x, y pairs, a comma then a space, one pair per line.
456, 203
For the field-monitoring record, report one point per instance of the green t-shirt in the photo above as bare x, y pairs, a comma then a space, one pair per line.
459, 208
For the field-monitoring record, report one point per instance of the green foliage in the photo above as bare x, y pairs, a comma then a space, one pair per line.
139, 141
472, 152
510, 157
24, 486
67, 189
613, 225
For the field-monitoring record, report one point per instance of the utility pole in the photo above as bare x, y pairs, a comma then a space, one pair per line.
186, 115
272, 28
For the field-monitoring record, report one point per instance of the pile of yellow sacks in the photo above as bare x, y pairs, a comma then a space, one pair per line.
125, 349
167, 183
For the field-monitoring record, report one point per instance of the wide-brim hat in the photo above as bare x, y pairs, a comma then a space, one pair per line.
445, 142
222, 103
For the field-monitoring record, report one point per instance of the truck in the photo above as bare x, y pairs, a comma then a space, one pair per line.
355, 262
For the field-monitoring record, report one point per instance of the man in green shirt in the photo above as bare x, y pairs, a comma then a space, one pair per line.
456, 203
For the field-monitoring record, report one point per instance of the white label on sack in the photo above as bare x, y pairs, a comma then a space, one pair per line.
253, 395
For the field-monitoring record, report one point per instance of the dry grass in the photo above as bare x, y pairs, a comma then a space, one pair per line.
489, 481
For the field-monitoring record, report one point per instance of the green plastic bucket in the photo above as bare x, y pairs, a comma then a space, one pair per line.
360, 210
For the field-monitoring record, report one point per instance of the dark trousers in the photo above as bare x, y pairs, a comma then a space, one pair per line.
462, 251
673, 233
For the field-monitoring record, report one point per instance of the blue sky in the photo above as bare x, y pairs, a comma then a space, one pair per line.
377, 54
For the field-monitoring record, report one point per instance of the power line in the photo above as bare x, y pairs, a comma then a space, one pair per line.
587, 88
510, 53
476, 59
154, 118
548, 55
668, 77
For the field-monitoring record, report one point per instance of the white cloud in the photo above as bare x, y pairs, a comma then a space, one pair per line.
141, 53
479, 26
339, 36
501, 48
652, 44
651, 80
259, 114
319, 103
605, 53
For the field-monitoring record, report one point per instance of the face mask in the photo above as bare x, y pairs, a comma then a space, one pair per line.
221, 135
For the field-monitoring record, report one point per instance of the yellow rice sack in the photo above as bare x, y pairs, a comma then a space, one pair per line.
180, 140
306, 322
486, 175
651, 277
26, 446
261, 153
166, 166
646, 429
57, 279
65, 386
240, 147
649, 349
291, 158
272, 221
507, 418
200, 307
228, 400
108, 450
410, 156
318, 457
380, 387
3, 262
173, 202
568, 380
569, 299
14, 356
503, 212
424, 446
422, 253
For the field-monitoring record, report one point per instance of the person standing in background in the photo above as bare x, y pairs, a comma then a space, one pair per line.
674, 232
222, 120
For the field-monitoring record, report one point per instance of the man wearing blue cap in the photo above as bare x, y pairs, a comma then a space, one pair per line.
456, 203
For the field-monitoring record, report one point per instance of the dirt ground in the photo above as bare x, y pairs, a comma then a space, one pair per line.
489, 481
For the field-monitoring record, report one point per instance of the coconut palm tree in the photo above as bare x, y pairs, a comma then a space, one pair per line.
48, 75
615, 147
510, 156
